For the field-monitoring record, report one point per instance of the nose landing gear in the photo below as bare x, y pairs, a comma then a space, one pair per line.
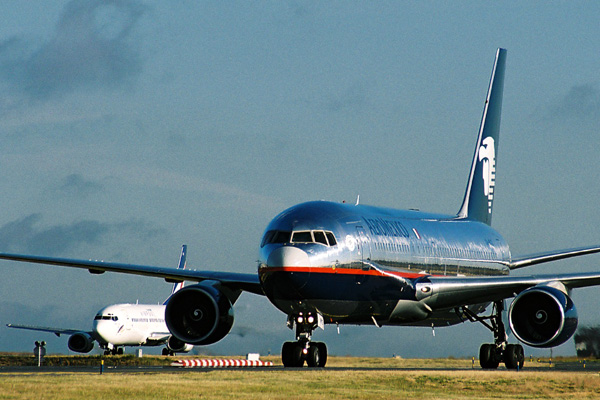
294, 354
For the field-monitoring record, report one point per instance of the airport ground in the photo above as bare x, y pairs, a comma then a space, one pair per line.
68, 377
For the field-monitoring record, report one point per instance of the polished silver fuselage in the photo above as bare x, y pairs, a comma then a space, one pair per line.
371, 261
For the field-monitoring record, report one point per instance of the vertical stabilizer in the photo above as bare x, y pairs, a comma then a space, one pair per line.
182, 260
479, 196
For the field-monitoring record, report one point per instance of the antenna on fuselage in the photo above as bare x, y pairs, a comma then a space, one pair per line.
357, 199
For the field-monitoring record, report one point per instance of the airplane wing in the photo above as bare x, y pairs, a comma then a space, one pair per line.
56, 331
236, 281
441, 292
159, 336
539, 258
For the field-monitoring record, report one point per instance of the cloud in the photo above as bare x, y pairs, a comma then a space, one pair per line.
25, 235
91, 47
581, 101
77, 185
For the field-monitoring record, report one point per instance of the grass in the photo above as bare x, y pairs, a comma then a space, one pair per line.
344, 378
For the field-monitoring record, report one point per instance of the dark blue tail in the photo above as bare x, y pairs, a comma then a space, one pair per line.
479, 196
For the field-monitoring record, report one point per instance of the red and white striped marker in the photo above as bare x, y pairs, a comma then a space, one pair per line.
209, 363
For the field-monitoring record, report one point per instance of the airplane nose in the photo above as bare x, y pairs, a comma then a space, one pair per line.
101, 331
288, 256
286, 273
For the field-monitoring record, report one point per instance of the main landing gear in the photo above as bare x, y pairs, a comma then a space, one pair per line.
113, 351
294, 354
492, 354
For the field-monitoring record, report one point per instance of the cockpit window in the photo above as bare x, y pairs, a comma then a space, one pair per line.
325, 238
302, 237
320, 237
276, 237
331, 238
108, 317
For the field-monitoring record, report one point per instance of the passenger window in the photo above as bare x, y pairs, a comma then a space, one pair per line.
302, 237
320, 237
331, 238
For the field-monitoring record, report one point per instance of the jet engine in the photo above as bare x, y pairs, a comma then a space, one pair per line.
543, 316
199, 314
81, 342
177, 346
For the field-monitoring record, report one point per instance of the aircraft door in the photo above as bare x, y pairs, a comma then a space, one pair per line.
128, 323
364, 253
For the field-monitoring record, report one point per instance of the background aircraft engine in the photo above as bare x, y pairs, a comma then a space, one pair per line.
81, 342
177, 346
199, 314
543, 316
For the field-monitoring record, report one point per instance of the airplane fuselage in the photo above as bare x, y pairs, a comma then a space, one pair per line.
131, 325
355, 263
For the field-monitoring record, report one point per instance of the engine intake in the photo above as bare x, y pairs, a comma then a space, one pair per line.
199, 314
543, 316
81, 342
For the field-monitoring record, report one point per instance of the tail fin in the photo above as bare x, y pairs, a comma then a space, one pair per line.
182, 259
479, 196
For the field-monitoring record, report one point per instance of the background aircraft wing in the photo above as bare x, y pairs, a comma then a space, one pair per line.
236, 281
56, 331
440, 292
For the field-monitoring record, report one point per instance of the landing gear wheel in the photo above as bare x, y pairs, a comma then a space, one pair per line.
322, 353
514, 357
313, 358
487, 356
286, 354
297, 355
490, 355
291, 354
165, 352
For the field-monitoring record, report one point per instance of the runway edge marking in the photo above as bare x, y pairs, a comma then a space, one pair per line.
210, 363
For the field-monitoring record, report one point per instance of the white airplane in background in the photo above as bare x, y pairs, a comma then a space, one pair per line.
120, 325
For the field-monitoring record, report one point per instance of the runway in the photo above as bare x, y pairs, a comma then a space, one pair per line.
541, 367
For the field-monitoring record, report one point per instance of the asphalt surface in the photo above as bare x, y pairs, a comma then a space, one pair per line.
21, 370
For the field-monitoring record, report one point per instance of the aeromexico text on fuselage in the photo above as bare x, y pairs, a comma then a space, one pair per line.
395, 244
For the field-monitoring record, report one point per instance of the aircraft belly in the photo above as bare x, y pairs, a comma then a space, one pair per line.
338, 296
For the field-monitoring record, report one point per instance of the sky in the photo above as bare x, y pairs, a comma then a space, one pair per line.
130, 127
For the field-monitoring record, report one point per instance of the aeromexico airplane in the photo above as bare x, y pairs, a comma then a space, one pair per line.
329, 263
120, 325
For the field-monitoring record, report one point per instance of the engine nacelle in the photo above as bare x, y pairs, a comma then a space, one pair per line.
199, 314
177, 346
543, 316
81, 342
